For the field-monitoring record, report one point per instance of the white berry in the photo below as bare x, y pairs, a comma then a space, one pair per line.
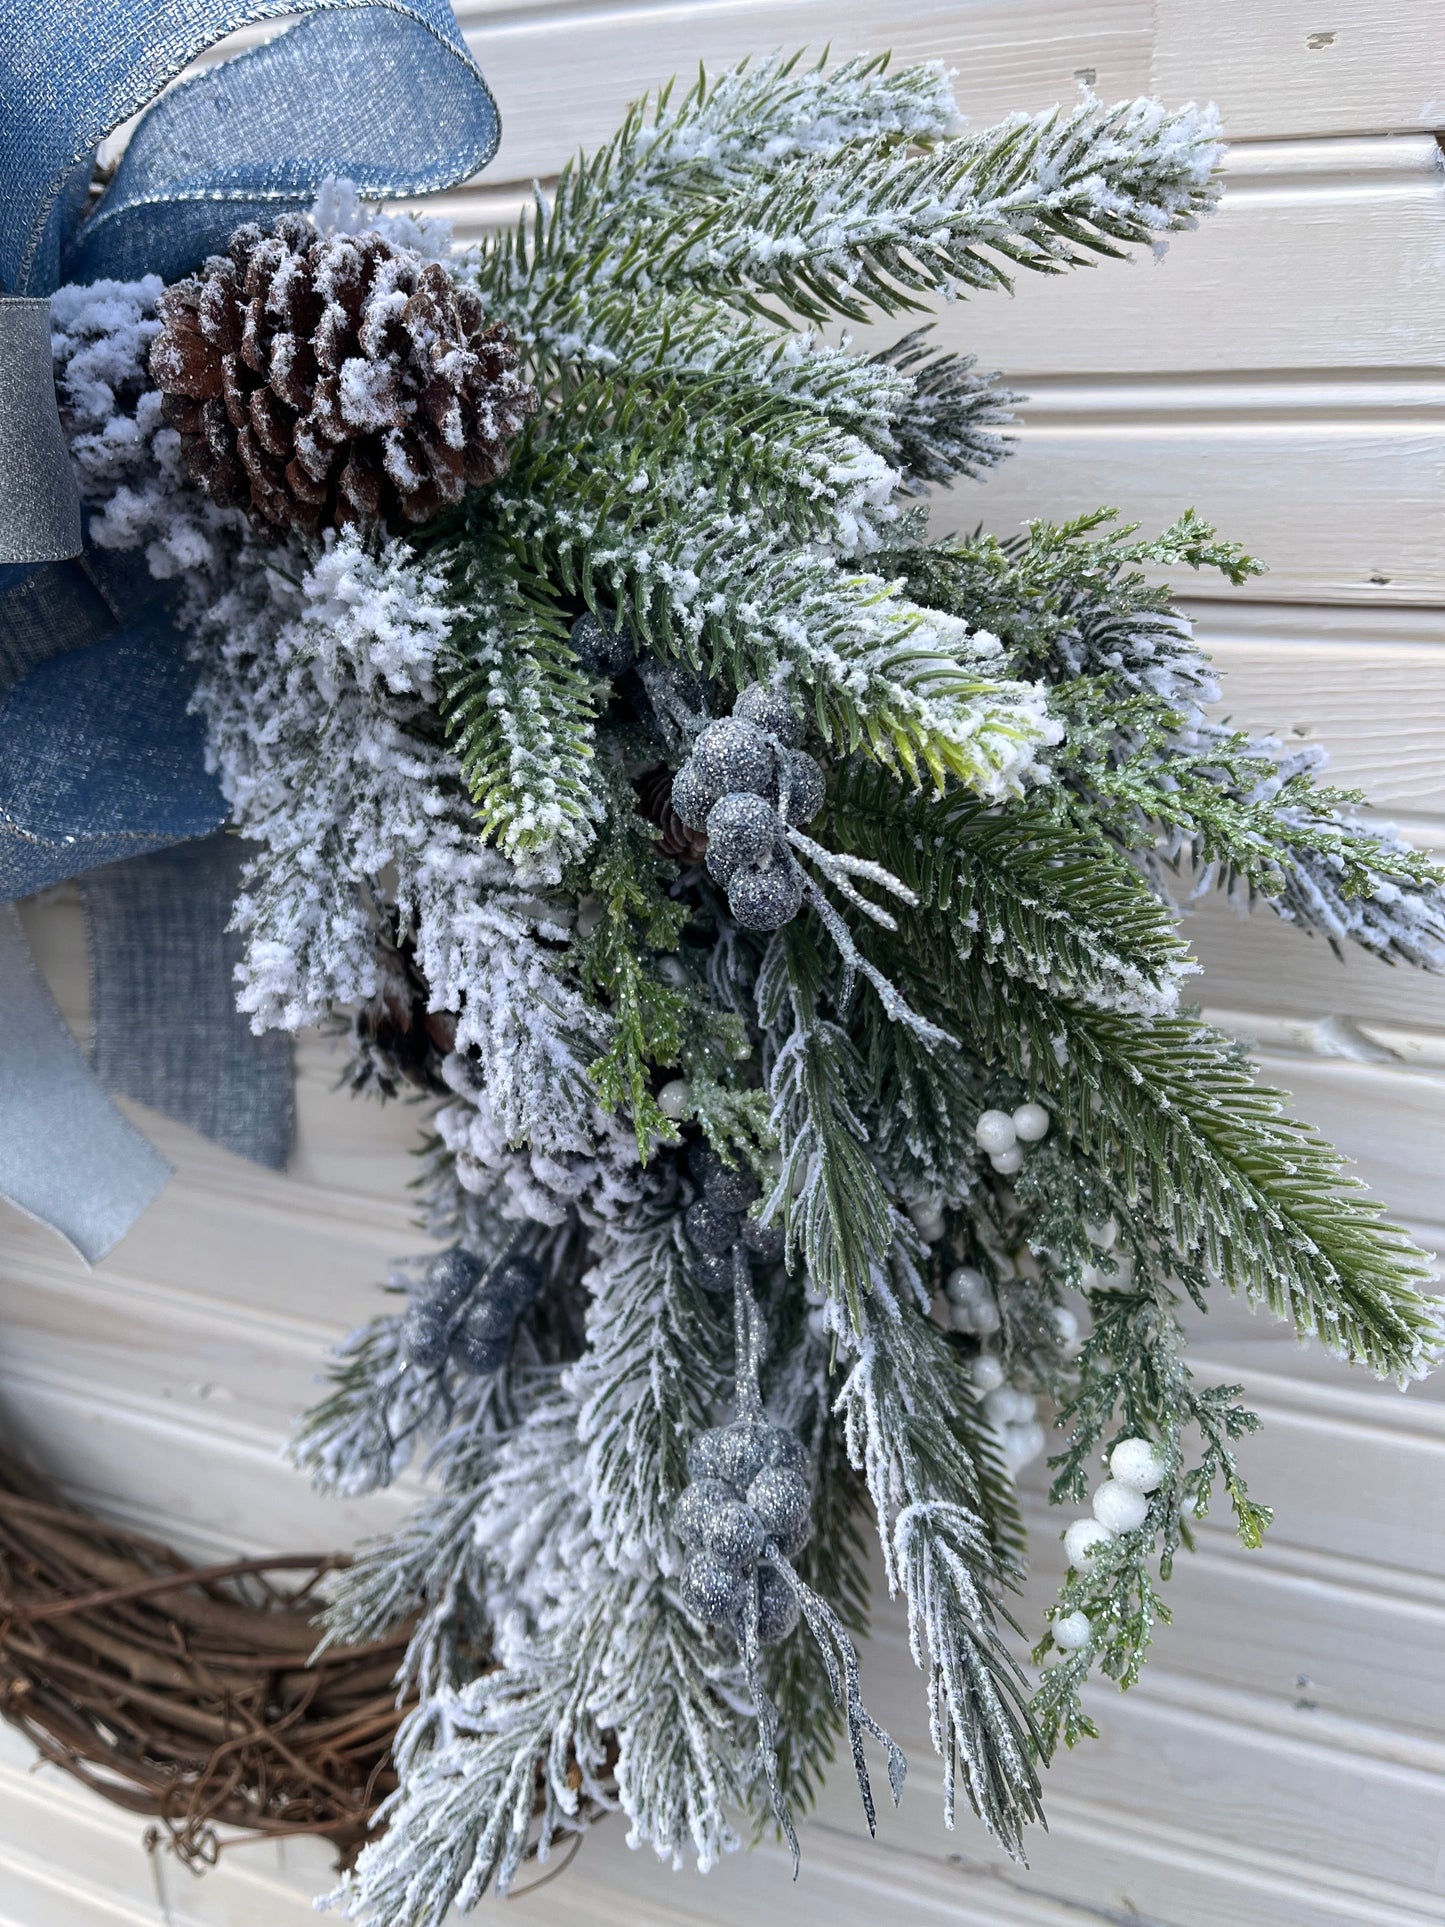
1007, 1162
987, 1372
589, 915
1000, 1404
1083, 1537
1073, 1631
1119, 1507
964, 1318
986, 1319
1066, 1325
1137, 1463
966, 1286
928, 1219
1022, 1444
674, 1100
1105, 1235
1031, 1122
994, 1132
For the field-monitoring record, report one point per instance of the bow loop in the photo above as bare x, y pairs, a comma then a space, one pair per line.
384, 86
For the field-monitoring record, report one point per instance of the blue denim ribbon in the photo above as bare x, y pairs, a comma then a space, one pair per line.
99, 758
382, 91
67, 1156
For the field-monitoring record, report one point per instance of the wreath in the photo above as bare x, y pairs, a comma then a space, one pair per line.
773, 904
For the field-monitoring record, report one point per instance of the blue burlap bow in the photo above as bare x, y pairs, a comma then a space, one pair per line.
102, 769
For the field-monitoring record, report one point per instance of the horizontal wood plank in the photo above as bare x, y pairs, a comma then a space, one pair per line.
1340, 508
1276, 1800
563, 73
1257, 963
215, 1494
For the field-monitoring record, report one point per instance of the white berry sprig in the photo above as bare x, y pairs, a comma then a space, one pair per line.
1137, 1467
1002, 1135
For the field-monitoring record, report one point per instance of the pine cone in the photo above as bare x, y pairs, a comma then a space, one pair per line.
317, 382
654, 800
396, 1039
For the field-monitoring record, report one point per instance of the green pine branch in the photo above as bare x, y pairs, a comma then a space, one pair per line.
1171, 1112
617, 964
518, 709
833, 1203
1043, 901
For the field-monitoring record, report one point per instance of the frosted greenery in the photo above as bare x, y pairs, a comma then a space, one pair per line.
459, 850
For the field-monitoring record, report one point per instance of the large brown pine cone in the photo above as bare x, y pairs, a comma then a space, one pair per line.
322, 381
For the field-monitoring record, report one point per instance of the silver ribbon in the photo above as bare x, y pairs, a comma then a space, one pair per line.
67, 1156
39, 499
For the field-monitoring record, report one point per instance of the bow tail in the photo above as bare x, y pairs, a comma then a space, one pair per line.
67, 1156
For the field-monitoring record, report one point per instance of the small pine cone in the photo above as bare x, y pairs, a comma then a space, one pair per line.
395, 1039
317, 382
654, 800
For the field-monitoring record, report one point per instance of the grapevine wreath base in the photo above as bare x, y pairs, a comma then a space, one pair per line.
192, 1695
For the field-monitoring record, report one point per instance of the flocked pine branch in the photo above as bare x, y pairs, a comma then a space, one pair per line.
648, 1380
946, 427
888, 220
948, 1531
1142, 758
518, 712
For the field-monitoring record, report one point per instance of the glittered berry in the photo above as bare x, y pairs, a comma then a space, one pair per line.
743, 831
783, 1448
732, 1453
425, 1337
729, 755
708, 1229
766, 709
481, 1343
696, 1507
801, 791
654, 801
726, 1187
766, 1242
691, 798
784, 1504
778, 1609
450, 1279
713, 1270
712, 1589
603, 648
766, 899
727, 1528
515, 1284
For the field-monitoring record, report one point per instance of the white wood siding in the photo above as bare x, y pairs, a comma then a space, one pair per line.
1283, 370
